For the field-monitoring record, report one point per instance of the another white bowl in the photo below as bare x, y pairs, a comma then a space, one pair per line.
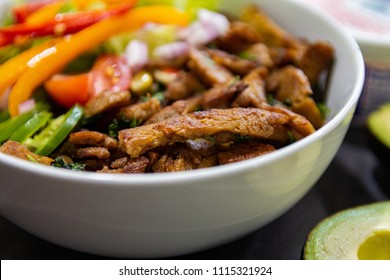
160, 215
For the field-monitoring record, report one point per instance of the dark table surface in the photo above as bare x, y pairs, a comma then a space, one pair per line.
354, 178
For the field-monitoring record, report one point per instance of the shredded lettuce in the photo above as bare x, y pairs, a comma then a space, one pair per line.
4, 115
9, 51
154, 37
7, 18
188, 5
67, 7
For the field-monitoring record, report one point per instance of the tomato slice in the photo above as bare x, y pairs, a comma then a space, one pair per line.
109, 72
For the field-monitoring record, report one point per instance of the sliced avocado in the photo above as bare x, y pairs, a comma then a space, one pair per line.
361, 233
378, 124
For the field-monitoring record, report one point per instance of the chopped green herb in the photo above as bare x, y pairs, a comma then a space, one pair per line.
233, 81
118, 124
270, 99
291, 137
198, 108
288, 102
159, 95
61, 163
4, 115
242, 138
247, 56
30, 158
324, 110
113, 129
86, 122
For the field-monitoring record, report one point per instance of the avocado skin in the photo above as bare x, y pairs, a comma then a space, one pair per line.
314, 246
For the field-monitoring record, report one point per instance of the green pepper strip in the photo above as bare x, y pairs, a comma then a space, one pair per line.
31, 127
4, 115
56, 132
9, 126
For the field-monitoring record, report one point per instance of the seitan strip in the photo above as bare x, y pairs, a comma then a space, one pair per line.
18, 150
251, 122
93, 138
106, 100
207, 69
141, 111
291, 85
243, 151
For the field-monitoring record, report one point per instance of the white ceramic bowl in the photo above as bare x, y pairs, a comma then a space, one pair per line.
159, 215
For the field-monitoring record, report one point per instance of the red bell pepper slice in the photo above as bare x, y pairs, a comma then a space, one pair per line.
65, 24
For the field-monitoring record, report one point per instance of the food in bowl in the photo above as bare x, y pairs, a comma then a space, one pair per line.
360, 233
168, 214
160, 97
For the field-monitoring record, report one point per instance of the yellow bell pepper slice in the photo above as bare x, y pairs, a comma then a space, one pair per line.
73, 45
11, 70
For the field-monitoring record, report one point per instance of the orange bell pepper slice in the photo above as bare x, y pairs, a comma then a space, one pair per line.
44, 14
72, 46
21, 12
69, 90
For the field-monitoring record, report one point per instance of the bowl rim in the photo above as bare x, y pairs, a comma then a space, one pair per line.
204, 174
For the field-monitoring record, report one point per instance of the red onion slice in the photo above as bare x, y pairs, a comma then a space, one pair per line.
171, 50
136, 54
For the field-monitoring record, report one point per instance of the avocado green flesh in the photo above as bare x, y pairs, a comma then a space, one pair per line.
358, 233
379, 124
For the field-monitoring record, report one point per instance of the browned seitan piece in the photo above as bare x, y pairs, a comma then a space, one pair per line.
221, 95
252, 122
184, 85
234, 63
268, 31
93, 148
106, 100
141, 111
245, 150
182, 158
254, 94
92, 152
317, 59
291, 85
260, 54
177, 108
239, 37
20, 151
93, 138
127, 165
207, 69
